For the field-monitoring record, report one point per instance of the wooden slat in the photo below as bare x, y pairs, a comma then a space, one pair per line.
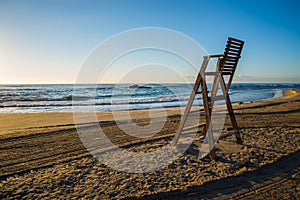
228, 58
233, 47
227, 73
235, 43
236, 40
233, 50
228, 68
229, 65
231, 57
233, 53
226, 64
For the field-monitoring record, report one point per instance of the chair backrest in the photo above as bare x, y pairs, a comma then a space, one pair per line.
228, 63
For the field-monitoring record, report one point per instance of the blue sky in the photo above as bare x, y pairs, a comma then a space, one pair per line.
47, 41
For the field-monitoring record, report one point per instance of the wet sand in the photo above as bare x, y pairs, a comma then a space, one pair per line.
42, 157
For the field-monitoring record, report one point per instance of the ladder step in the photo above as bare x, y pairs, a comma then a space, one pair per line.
212, 73
200, 92
217, 98
198, 110
194, 126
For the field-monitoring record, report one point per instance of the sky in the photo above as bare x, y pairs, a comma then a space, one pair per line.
48, 41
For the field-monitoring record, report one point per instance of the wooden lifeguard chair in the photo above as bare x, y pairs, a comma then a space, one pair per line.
223, 76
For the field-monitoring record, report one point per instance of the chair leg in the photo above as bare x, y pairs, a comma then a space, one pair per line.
211, 146
231, 113
233, 120
206, 106
187, 110
208, 126
199, 80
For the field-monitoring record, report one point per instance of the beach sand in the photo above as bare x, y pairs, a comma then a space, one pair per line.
42, 157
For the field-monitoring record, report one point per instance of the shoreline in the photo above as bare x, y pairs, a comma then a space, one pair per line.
33, 102
24, 120
43, 150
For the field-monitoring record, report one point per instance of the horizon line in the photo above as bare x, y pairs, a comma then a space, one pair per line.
1, 84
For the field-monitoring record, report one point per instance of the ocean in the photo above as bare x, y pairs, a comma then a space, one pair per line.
110, 97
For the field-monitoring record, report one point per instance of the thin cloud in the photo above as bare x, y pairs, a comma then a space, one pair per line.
245, 76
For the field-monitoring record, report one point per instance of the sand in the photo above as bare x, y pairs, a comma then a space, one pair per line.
43, 157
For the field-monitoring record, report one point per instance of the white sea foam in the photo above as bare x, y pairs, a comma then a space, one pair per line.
58, 98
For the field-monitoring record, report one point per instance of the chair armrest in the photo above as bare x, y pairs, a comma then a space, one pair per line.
212, 73
216, 55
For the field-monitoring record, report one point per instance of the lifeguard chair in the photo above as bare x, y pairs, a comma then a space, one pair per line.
222, 76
